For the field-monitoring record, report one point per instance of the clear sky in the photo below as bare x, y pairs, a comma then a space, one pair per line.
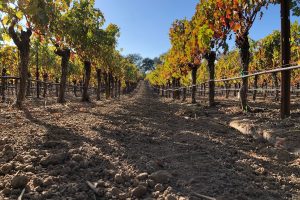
145, 24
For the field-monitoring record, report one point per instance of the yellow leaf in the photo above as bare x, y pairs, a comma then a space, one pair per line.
5, 20
6, 37
19, 14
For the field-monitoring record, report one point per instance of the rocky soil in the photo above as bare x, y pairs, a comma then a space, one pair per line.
138, 147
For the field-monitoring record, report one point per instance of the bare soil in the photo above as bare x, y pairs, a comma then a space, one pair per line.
138, 147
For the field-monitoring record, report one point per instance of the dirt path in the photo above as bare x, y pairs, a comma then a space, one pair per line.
58, 148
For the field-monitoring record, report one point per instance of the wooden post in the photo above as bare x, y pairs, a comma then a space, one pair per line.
285, 59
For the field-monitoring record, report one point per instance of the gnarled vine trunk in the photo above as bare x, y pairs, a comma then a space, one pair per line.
211, 58
87, 77
22, 41
65, 57
194, 80
242, 43
28, 88
24, 57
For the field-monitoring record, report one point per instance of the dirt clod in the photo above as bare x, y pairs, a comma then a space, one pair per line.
142, 176
119, 179
19, 181
139, 191
53, 159
161, 176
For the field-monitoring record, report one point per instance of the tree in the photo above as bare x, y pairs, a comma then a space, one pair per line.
147, 64
295, 7
136, 59
157, 60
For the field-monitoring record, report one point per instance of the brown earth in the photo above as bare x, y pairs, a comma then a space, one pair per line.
138, 147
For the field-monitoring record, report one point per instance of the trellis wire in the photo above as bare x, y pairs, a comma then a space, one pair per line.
236, 78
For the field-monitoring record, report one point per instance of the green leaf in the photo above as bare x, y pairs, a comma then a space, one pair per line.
90, 34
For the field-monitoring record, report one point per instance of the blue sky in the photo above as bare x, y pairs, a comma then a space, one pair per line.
145, 24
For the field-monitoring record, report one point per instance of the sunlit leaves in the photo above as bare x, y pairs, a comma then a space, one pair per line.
5, 20
6, 37
19, 14
205, 35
